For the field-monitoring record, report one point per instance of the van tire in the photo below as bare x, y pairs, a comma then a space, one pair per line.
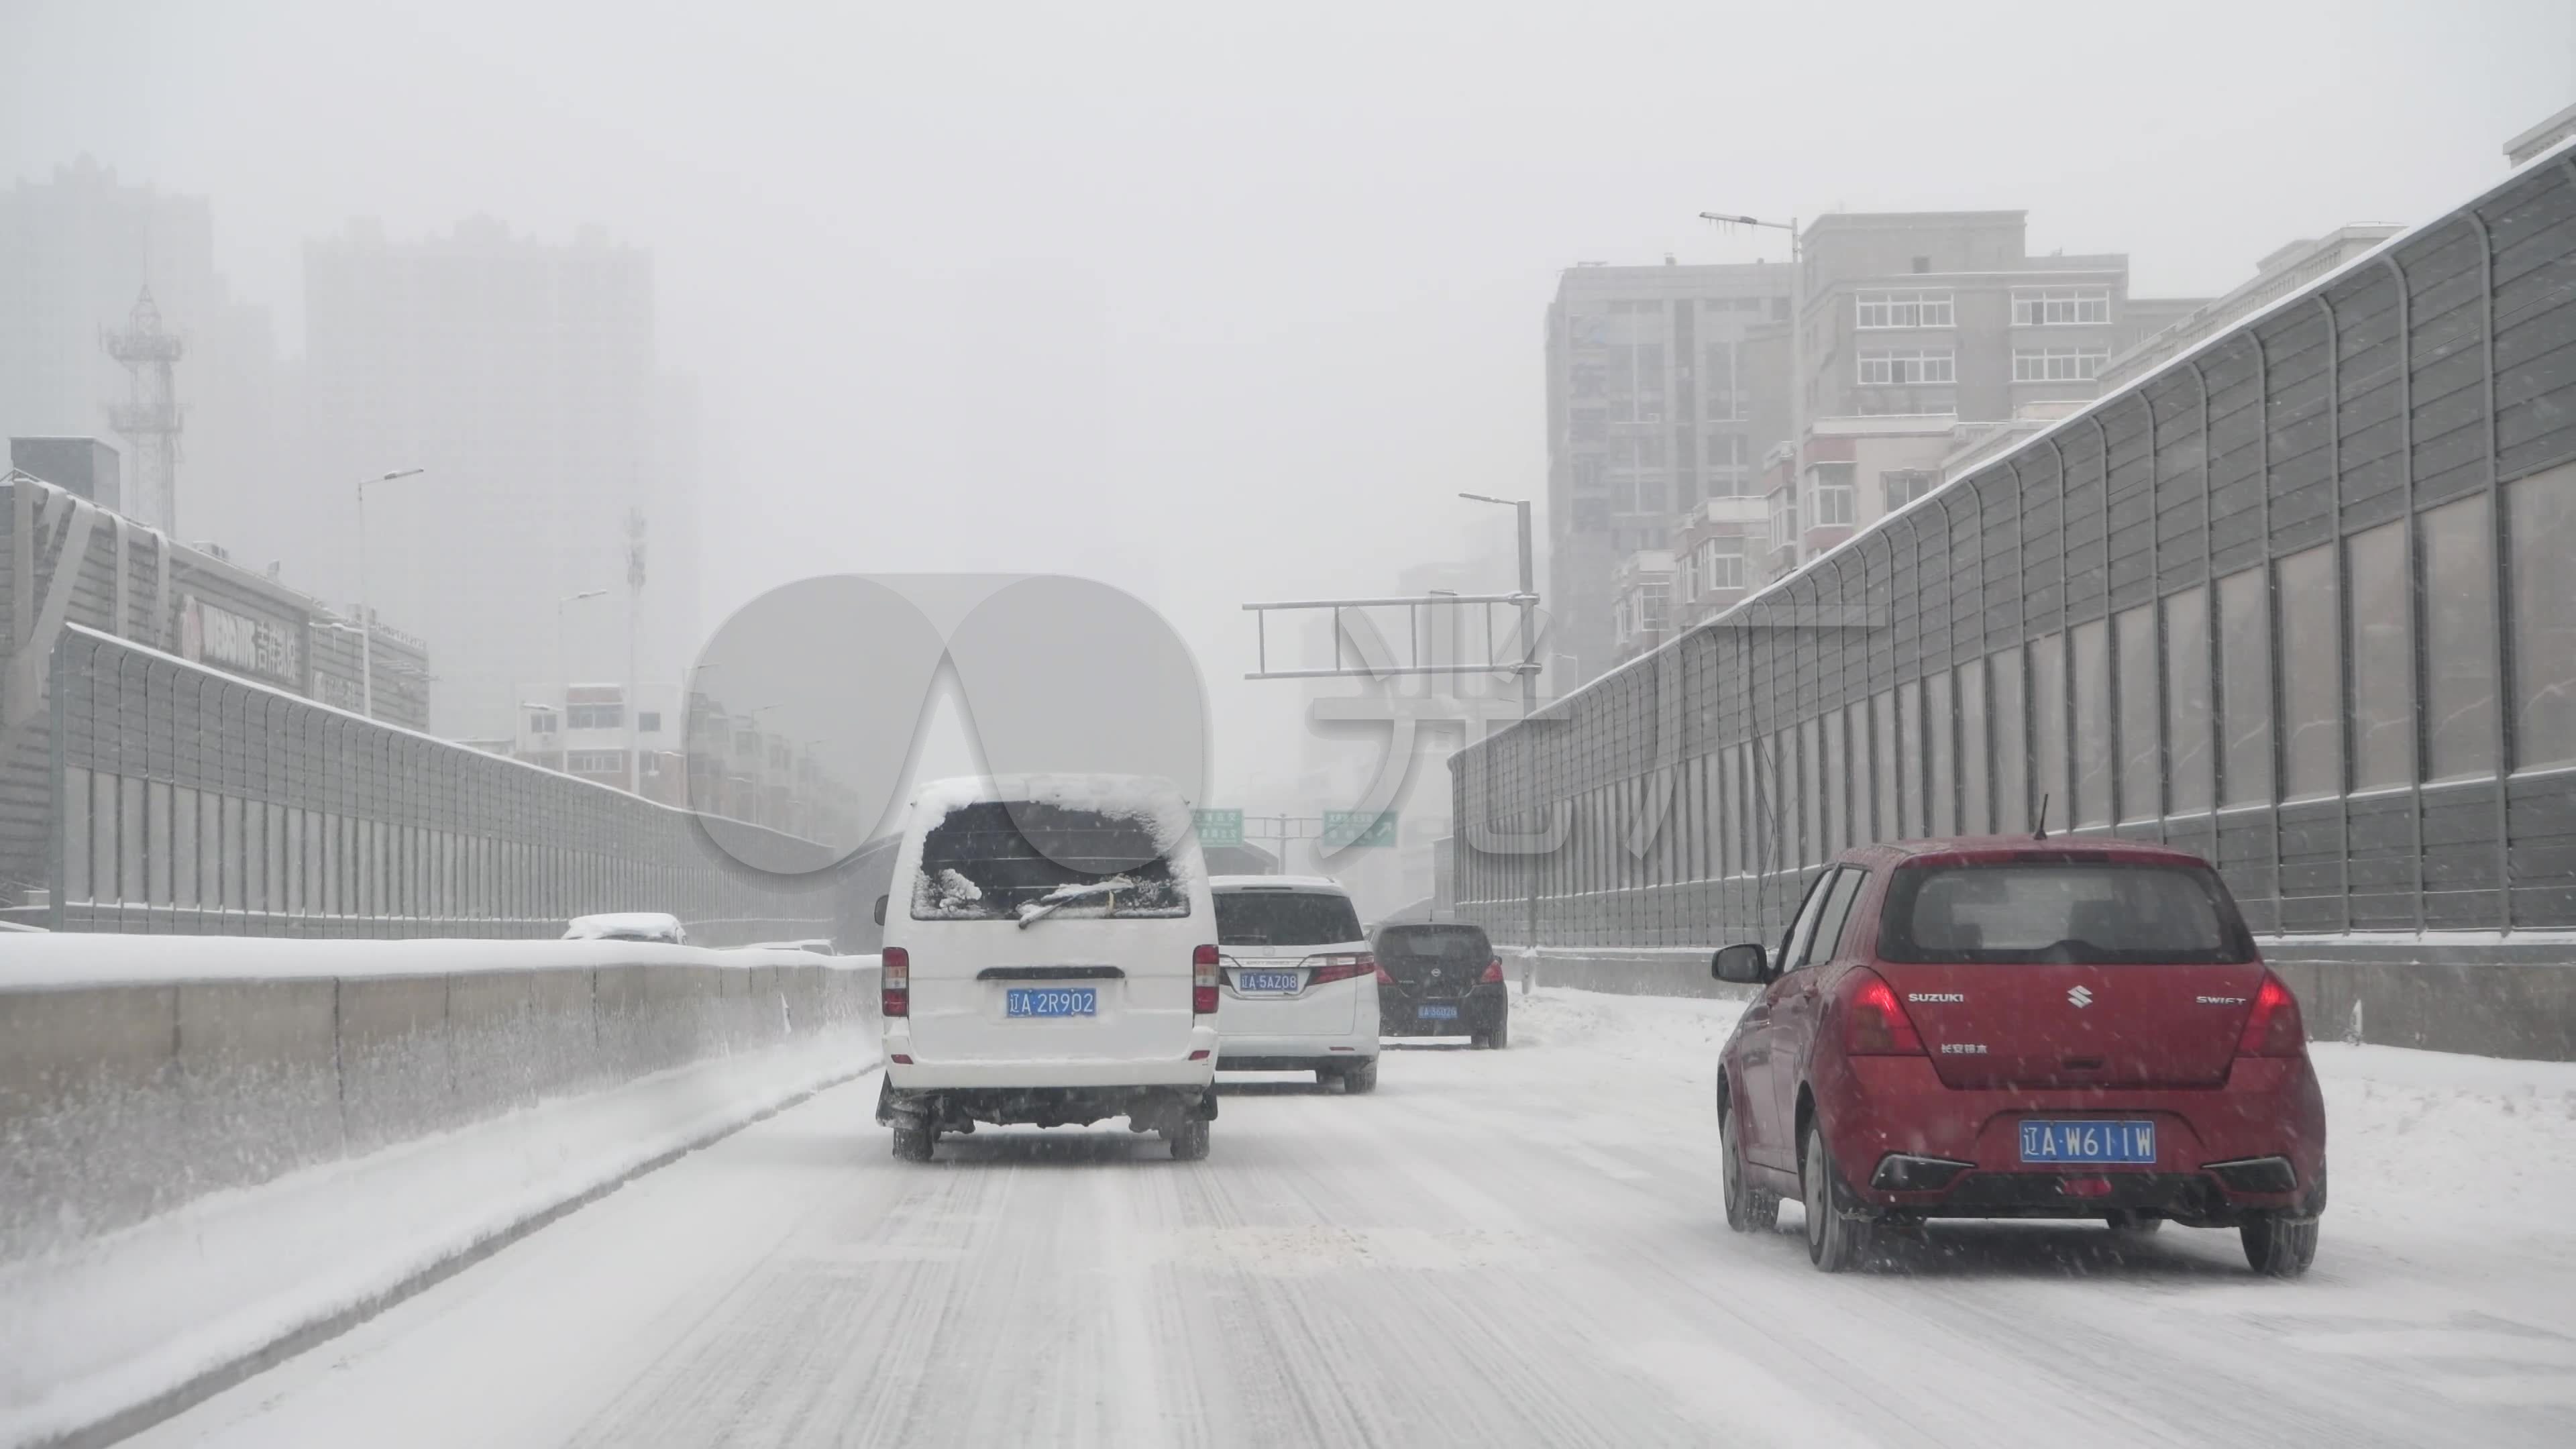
1360, 1079
1189, 1138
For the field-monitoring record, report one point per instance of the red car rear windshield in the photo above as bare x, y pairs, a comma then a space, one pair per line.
2062, 912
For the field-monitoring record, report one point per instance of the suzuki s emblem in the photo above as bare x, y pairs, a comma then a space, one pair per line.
2080, 996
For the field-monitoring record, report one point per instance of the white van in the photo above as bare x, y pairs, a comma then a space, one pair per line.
1050, 958
1300, 980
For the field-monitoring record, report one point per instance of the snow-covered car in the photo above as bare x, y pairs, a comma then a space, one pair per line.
1050, 958
657, 926
1300, 982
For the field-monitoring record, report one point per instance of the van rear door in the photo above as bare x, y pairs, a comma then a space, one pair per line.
2070, 972
1074, 945
1273, 942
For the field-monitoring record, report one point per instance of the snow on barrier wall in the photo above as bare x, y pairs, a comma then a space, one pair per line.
137, 1074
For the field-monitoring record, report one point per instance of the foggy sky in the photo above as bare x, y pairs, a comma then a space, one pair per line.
1223, 302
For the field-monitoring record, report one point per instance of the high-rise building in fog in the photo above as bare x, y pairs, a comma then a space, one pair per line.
1663, 392
77, 252
523, 378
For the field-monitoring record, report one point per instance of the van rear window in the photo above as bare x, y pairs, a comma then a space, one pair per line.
2062, 912
995, 860
1277, 917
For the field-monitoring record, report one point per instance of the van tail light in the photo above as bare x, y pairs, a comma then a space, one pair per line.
2273, 1028
1342, 967
1203, 981
1875, 1025
894, 983
1493, 972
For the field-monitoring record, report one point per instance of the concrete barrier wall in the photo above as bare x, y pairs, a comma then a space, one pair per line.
134, 1080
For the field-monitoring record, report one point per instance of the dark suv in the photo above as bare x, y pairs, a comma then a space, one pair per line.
1441, 980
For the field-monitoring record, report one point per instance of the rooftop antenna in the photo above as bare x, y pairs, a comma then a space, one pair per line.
2039, 831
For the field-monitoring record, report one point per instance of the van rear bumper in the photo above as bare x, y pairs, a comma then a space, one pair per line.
935, 1075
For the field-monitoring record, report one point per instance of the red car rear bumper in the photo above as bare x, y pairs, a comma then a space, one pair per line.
1894, 1131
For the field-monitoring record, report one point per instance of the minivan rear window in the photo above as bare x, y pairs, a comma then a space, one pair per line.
2062, 912
1276, 917
984, 862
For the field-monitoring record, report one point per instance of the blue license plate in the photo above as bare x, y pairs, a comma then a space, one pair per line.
1052, 1001
1266, 981
1436, 1013
2088, 1142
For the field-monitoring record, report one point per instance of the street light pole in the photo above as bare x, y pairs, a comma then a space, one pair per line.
1797, 339
366, 612
1528, 671
563, 656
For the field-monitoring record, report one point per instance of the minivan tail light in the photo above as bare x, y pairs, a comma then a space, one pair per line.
894, 982
1203, 981
1342, 966
2273, 1028
1493, 972
1874, 1025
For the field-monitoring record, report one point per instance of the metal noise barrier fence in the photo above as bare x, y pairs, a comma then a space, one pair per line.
122, 1100
186, 800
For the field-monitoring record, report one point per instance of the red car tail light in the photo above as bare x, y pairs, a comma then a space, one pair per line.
1874, 1025
1203, 981
1493, 973
894, 982
1382, 978
2273, 1028
1341, 967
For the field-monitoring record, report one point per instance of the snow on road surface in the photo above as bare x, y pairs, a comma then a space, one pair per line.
1496, 1248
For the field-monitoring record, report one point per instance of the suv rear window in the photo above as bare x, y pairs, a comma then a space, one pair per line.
1275, 917
983, 862
1399, 947
2062, 912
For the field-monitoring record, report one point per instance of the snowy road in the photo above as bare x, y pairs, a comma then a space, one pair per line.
1512, 1248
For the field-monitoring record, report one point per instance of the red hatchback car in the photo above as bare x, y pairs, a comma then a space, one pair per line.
2020, 1028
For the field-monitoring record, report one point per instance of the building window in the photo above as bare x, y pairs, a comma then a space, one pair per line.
1903, 485
1829, 495
1901, 309
1727, 473
1784, 518
2459, 639
2187, 699
594, 716
594, 762
2311, 676
1717, 383
1637, 382
2060, 306
1906, 366
1690, 577
2245, 686
1588, 425
1654, 607
541, 721
2542, 509
1720, 563
2059, 364
648, 721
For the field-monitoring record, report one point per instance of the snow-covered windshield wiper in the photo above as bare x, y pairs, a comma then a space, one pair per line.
1066, 895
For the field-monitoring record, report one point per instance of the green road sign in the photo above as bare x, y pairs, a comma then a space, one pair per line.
1220, 827
1358, 827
